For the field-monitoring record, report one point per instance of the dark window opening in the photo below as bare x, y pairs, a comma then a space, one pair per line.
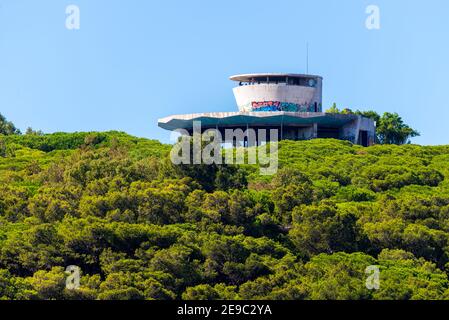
326, 133
363, 138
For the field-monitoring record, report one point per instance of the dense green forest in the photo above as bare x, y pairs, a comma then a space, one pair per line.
142, 228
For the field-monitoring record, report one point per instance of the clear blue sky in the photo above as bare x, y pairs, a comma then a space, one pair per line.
133, 62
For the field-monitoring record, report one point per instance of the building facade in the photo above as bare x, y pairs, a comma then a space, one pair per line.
290, 103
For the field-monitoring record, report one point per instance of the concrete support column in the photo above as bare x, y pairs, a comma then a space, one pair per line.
315, 131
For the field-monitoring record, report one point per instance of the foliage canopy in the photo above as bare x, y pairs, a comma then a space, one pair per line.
141, 228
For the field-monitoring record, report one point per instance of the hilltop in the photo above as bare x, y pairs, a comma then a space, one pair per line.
141, 228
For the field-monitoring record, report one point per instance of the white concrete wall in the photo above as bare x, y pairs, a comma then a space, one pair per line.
367, 125
352, 130
303, 96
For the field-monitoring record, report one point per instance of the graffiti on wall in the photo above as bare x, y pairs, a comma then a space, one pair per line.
280, 106
273, 105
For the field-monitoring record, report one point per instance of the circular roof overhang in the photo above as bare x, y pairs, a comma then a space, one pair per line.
252, 119
249, 76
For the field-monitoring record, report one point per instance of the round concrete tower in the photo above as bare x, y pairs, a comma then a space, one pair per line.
278, 92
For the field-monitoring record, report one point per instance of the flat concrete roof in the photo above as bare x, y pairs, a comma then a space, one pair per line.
272, 118
249, 76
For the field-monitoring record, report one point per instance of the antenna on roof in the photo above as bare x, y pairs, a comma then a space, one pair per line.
307, 59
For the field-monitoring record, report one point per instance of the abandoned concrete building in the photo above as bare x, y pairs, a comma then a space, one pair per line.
290, 103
